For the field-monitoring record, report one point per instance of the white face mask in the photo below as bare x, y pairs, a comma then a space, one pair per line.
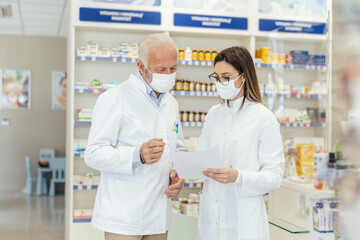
229, 91
162, 83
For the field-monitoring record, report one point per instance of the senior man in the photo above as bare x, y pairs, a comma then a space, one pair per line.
135, 126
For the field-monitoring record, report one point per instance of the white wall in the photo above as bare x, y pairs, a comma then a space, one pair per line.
40, 126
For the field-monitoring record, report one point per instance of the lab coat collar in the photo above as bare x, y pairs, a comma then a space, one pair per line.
149, 90
234, 106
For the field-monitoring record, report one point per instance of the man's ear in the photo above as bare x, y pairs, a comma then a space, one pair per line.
140, 66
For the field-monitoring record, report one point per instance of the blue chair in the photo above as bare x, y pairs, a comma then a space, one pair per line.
57, 165
30, 179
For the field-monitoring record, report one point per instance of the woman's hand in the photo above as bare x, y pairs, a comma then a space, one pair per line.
224, 175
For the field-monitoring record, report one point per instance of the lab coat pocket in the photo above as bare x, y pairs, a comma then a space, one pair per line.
242, 154
125, 202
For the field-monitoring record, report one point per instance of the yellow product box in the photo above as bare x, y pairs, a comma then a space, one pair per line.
305, 160
265, 53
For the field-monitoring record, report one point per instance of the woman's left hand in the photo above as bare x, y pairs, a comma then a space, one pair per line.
224, 175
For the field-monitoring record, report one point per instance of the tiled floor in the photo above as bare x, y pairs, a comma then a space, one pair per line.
25, 218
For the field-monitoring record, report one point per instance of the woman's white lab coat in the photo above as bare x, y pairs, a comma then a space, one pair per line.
131, 201
250, 141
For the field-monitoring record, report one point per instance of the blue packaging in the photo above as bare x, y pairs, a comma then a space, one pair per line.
300, 57
317, 59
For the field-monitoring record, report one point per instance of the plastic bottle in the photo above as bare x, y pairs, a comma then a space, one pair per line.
188, 54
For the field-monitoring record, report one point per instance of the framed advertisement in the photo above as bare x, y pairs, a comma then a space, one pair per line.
59, 79
15, 89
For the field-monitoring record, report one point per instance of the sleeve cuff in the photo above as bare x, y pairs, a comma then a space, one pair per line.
136, 158
238, 179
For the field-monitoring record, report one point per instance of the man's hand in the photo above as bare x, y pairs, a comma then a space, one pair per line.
224, 175
175, 185
151, 151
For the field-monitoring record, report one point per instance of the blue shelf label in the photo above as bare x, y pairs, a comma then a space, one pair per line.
268, 25
119, 16
206, 21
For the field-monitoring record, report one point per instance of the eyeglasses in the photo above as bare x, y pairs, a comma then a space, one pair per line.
223, 80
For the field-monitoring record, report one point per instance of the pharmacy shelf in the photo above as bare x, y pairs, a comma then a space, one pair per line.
289, 227
306, 188
192, 124
81, 220
85, 187
302, 96
94, 187
79, 155
193, 184
105, 59
193, 93
201, 124
196, 63
304, 124
82, 123
90, 90
312, 67
173, 92
211, 94
205, 63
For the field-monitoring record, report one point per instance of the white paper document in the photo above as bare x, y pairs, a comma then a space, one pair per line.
190, 165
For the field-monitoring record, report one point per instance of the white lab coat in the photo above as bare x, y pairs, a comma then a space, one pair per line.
250, 141
131, 201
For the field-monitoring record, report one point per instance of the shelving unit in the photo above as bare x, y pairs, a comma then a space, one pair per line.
85, 69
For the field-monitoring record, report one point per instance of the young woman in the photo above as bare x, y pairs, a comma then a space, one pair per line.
248, 134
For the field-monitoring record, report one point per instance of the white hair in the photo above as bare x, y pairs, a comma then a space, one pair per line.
154, 40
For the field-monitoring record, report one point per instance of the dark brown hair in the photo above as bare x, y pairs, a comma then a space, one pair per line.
241, 60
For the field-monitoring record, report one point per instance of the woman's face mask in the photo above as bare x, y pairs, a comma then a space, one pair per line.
229, 91
162, 83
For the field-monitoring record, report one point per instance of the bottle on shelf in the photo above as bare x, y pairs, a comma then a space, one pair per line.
188, 54
201, 55
186, 85
179, 86
202, 118
181, 54
192, 86
197, 117
198, 86
213, 54
203, 87
191, 116
207, 55
195, 54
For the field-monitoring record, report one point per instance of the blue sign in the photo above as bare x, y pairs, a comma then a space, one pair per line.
120, 16
268, 25
205, 21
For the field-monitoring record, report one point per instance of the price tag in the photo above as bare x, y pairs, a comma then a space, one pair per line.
133, 60
82, 58
114, 59
182, 93
93, 59
123, 60
196, 63
81, 90
192, 93
182, 62
203, 63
